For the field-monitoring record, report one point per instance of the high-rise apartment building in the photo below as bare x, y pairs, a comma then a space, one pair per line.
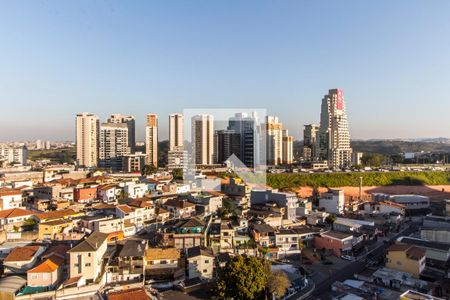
334, 136
151, 140
274, 142
87, 135
227, 143
288, 148
131, 124
203, 139
113, 145
13, 155
39, 145
311, 142
176, 133
245, 126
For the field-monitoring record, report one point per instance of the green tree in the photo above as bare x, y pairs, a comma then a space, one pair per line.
373, 160
278, 283
330, 219
148, 170
29, 224
315, 196
177, 174
243, 277
123, 195
227, 209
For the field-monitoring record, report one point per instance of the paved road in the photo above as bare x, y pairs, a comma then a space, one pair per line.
304, 292
360, 265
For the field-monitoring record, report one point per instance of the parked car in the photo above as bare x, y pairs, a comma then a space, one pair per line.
347, 257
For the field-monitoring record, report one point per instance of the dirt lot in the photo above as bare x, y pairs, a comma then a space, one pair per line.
435, 192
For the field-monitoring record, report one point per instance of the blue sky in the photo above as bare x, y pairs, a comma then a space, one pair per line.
392, 58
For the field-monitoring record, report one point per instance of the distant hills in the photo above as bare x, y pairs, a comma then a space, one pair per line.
389, 147
393, 146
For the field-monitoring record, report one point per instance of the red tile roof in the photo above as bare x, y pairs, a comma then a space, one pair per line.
24, 253
10, 192
14, 212
177, 203
103, 206
48, 266
141, 203
135, 294
125, 208
412, 252
106, 187
64, 181
55, 214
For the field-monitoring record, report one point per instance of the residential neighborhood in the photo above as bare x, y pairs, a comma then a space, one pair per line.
157, 240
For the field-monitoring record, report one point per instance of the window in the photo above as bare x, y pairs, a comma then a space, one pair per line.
163, 262
87, 264
89, 254
205, 271
206, 261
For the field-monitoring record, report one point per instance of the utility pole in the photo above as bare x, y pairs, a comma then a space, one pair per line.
360, 187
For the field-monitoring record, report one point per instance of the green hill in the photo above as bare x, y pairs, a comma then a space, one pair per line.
293, 180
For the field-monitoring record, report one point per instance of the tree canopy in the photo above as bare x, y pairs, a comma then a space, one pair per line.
148, 170
278, 283
243, 277
373, 160
177, 174
330, 219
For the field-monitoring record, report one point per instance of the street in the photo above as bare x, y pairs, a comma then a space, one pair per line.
358, 266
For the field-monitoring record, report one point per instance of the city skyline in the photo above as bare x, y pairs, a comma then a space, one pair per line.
163, 57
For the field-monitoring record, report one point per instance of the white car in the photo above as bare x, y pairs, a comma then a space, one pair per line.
347, 257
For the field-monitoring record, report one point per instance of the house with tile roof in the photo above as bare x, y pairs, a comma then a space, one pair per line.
85, 194
200, 262
57, 215
125, 261
51, 230
139, 212
14, 216
185, 234
135, 294
162, 215
335, 241
10, 198
86, 258
179, 208
21, 259
406, 258
163, 263
46, 274
108, 193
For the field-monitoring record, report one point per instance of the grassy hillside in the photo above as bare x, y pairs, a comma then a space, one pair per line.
66, 155
292, 180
